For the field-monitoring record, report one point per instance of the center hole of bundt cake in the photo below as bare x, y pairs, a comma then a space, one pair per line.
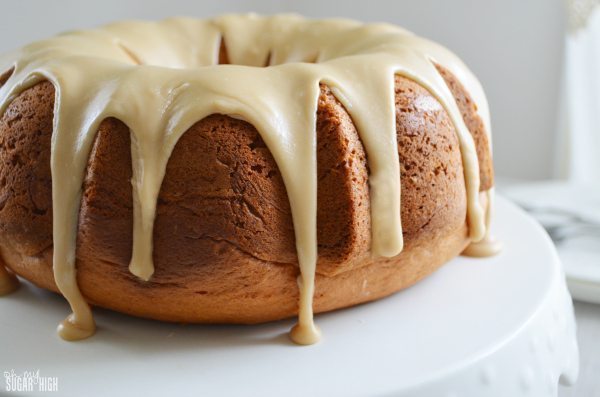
130, 54
4, 76
223, 57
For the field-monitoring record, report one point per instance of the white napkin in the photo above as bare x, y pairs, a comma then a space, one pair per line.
553, 202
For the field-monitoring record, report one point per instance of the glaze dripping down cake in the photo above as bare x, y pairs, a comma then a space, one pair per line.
240, 169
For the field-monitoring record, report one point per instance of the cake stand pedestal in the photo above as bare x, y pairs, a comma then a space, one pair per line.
500, 326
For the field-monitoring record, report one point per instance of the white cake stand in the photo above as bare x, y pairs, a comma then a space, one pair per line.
497, 327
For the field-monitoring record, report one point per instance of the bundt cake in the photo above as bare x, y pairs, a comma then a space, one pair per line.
241, 169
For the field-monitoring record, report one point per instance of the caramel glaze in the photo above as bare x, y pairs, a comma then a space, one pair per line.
160, 78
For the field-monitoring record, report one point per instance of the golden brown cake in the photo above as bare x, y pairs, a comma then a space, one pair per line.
223, 242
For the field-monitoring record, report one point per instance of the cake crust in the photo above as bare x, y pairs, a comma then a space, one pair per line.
223, 238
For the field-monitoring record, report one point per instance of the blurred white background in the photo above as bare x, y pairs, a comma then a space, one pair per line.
515, 47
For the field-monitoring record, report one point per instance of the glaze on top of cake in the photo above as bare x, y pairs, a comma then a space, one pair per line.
159, 78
